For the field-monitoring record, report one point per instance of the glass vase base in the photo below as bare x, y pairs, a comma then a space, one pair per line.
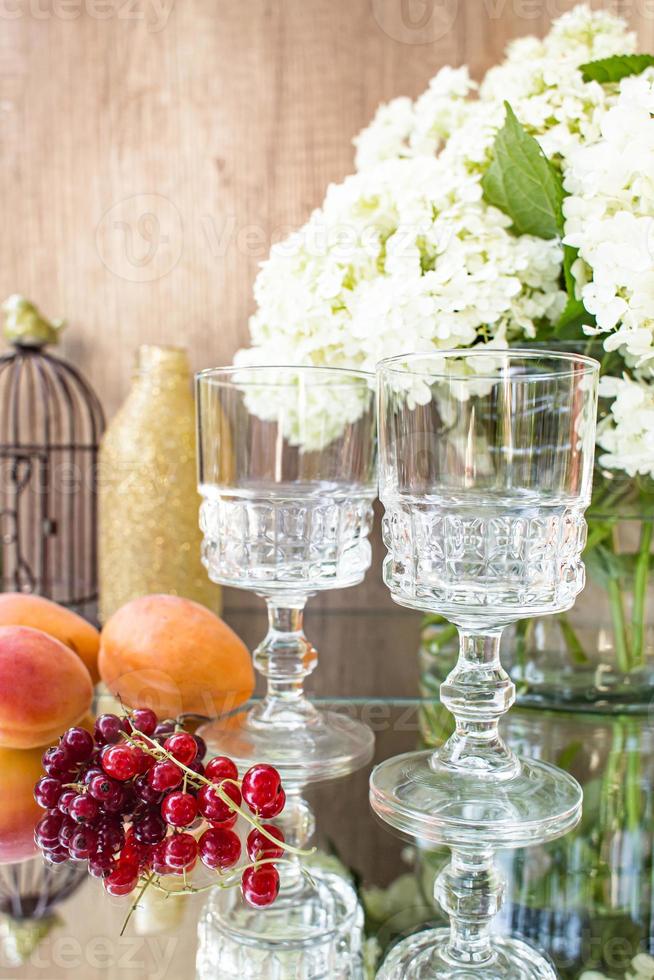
448, 807
425, 957
327, 745
314, 931
598, 687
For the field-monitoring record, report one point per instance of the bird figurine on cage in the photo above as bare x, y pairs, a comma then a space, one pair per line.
50, 426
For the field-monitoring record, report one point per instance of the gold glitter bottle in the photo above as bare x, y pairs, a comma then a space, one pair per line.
148, 507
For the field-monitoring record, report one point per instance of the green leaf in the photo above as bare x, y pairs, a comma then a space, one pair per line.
616, 67
523, 183
569, 258
575, 315
606, 568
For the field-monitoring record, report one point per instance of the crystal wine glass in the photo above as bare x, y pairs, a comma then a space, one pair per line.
485, 472
288, 475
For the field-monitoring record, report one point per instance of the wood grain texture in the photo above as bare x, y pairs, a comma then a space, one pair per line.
151, 150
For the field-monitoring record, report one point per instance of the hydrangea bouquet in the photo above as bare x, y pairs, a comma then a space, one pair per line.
515, 211
520, 209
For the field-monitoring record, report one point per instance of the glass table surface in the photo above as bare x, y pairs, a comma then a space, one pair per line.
586, 899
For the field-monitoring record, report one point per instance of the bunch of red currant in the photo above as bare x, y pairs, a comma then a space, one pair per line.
136, 801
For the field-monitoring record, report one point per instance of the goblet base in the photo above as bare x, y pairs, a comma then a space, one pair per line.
306, 746
465, 809
425, 957
313, 931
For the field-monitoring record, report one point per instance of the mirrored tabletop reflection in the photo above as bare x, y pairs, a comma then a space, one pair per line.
585, 900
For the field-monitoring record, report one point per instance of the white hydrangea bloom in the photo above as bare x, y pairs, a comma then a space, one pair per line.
310, 412
541, 79
406, 255
388, 135
627, 433
610, 219
402, 128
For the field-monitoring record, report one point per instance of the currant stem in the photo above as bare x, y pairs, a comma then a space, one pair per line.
148, 881
158, 752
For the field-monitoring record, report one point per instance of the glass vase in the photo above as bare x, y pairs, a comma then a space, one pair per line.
599, 655
587, 899
150, 541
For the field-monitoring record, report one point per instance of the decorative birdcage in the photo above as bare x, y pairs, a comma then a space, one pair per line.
50, 427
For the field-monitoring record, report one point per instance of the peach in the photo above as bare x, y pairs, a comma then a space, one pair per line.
83, 639
19, 813
176, 656
44, 687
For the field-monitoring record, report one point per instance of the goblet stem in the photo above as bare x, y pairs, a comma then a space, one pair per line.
478, 692
285, 658
471, 891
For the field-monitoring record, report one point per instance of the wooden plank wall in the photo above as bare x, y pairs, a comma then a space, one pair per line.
150, 151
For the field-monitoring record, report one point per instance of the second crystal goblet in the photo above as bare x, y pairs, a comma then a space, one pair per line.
288, 477
485, 473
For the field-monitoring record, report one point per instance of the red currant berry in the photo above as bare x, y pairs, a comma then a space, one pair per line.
122, 880
274, 808
84, 809
144, 720
68, 828
108, 729
224, 824
179, 809
46, 832
78, 743
261, 784
219, 849
83, 843
145, 792
164, 729
213, 807
261, 848
144, 761
180, 852
56, 855
91, 773
150, 829
103, 787
110, 838
47, 792
260, 885
165, 775
101, 865
196, 766
117, 801
220, 768
158, 859
182, 747
132, 852
201, 747
66, 798
120, 761
57, 761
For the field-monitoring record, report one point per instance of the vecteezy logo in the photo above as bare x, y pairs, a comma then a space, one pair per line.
140, 238
415, 21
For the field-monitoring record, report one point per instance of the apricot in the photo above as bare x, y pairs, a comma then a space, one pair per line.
19, 813
44, 687
17, 609
175, 656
